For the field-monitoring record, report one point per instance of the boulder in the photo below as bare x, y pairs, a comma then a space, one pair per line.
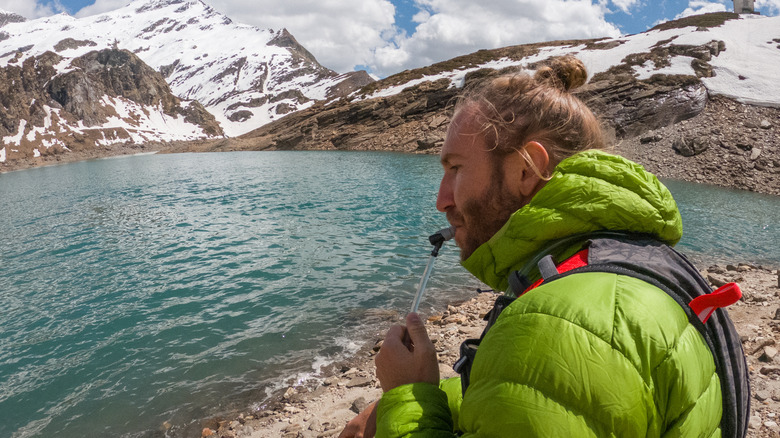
688, 146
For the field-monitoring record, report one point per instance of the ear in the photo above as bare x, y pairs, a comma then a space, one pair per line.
531, 167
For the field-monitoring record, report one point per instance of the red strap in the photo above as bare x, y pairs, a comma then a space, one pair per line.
704, 305
576, 261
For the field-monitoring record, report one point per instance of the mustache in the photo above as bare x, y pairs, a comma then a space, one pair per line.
454, 218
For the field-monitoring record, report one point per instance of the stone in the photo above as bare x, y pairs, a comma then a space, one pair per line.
765, 124
777, 314
295, 427
291, 410
762, 395
768, 354
650, 139
315, 425
770, 369
359, 405
755, 422
755, 153
716, 280
456, 319
429, 143
206, 432
359, 382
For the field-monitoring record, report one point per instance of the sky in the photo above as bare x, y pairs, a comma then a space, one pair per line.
388, 36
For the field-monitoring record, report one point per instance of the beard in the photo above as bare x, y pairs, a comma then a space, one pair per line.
481, 218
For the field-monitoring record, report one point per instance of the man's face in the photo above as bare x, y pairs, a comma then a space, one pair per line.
473, 191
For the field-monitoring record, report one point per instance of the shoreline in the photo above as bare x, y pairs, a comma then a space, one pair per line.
346, 387
694, 171
116, 151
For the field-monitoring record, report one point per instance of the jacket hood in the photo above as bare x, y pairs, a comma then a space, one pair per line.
590, 191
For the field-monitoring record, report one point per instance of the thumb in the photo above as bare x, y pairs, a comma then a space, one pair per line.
416, 329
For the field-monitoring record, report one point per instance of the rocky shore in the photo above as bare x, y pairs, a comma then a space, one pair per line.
322, 408
729, 144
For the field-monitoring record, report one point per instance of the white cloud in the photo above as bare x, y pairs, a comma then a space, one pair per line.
448, 28
339, 33
696, 7
768, 7
31, 9
343, 34
625, 5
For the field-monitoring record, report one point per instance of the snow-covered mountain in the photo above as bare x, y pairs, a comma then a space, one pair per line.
699, 96
745, 69
244, 76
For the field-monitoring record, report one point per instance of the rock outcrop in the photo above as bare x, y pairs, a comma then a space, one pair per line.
105, 97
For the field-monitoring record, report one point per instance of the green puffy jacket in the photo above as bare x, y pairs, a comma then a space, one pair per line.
590, 354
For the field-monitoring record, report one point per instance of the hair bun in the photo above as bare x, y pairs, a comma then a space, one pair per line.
564, 72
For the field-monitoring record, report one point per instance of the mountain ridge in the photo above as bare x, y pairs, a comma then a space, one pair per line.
242, 75
642, 86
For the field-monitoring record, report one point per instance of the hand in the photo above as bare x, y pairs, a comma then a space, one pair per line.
362, 426
407, 356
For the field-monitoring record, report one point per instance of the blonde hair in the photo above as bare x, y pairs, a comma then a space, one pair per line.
517, 108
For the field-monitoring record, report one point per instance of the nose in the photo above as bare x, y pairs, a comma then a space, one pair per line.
445, 200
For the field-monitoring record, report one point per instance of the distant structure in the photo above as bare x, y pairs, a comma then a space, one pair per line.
744, 7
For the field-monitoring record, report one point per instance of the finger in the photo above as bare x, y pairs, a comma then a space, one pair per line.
416, 329
407, 341
396, 332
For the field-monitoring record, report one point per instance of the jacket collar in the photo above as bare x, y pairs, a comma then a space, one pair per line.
587, 192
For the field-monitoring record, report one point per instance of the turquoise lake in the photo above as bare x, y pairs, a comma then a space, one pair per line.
171, 288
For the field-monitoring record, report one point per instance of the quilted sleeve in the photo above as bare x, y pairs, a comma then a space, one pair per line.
414, 410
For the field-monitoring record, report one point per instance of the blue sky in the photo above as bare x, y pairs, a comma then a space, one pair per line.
388, 36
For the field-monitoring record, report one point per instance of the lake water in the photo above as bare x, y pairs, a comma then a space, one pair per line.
170, 288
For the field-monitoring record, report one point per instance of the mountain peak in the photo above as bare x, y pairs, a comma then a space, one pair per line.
285, 39
7, 17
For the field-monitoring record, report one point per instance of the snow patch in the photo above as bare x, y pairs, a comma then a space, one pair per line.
36, 153
2, 155
16, 139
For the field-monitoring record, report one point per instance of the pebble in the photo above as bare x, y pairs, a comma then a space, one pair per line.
359, 405
315, 425
755, 422
206, 432
762, 395
291, 410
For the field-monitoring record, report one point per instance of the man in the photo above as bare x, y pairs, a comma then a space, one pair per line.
589, 354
